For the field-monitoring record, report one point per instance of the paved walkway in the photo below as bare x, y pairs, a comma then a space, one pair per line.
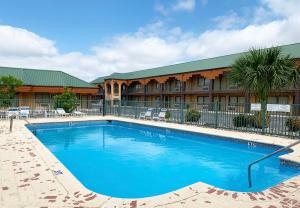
28, 177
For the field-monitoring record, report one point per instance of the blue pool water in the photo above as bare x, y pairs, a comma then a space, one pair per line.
128, 160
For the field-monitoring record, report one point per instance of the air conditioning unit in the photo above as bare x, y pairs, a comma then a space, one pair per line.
177, 89
205, 88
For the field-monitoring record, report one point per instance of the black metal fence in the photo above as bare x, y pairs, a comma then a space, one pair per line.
241, 117
37, 108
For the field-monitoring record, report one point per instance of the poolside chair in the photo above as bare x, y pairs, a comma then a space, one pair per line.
78, 113
147, 114
161, 115
62, 112
24, 112
13, 111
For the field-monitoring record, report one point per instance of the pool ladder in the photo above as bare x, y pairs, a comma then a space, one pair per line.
33, 127
267, 156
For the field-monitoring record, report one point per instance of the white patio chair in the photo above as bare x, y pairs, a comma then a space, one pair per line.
62, 112
78, 113
161, 115
24, 112
147, 114
12, 111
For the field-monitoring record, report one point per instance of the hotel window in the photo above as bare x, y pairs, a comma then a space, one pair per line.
138, 87
177, 85
234, 100
177, 100
203, 83
232, 85
42, 98
278, 100
157, 85
116, 88
202, 100
157, 99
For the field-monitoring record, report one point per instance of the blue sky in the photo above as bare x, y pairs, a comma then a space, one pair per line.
78, 25
97, 37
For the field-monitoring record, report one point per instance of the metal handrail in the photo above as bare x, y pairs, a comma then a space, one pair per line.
33, 127
267, 156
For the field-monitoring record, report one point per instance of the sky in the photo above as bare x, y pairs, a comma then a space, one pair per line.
95, 38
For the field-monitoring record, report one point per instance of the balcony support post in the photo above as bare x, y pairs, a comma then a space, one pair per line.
210, 94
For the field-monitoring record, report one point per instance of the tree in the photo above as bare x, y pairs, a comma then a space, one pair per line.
67, 100
8, 85
263, 70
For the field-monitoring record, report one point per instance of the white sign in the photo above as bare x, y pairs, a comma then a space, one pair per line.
278, 108
272, 107
255, 106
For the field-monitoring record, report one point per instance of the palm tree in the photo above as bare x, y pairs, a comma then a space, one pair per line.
263, 70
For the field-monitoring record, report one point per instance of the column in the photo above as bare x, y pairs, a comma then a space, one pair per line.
210, 95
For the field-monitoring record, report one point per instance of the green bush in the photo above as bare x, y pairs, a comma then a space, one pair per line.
168, 115
293, 124
242, 120
192, 115
68, 101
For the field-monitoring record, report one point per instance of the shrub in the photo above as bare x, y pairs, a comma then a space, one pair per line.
257, 118
293, 124
242, 121
168, 115
68, 101
192, 115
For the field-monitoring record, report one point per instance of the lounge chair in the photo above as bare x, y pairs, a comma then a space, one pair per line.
12, 112
24, 112
62, 112
161, 115
147, 114
78, 113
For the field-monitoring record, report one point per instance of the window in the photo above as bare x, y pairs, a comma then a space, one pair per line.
138, 86
234, 100
157, 86
177, 99
116, 88
42, 98
202, 100
278, 100
202, 82
177, 84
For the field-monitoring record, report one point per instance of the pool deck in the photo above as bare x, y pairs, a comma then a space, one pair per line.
29, 179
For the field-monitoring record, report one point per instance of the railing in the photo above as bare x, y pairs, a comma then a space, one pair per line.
231, 116
38, 108
266, 157
32, 126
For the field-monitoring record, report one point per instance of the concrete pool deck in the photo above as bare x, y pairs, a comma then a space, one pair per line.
30, 175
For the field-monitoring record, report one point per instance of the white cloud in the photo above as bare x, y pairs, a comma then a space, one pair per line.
184, 5
229, 21
161, 9
150, 46
20, 42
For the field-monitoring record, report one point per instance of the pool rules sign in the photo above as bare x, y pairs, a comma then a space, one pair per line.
272, 107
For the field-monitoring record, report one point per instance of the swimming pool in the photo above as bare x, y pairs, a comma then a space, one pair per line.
128, 160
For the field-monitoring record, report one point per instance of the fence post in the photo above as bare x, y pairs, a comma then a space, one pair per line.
216, 114
119, 108
135, 109
103, 107
181, 112
11, 119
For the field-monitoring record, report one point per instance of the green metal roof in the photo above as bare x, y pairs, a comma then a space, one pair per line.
36, 77
199, 65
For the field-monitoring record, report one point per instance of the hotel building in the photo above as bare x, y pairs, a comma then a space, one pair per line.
201, 81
